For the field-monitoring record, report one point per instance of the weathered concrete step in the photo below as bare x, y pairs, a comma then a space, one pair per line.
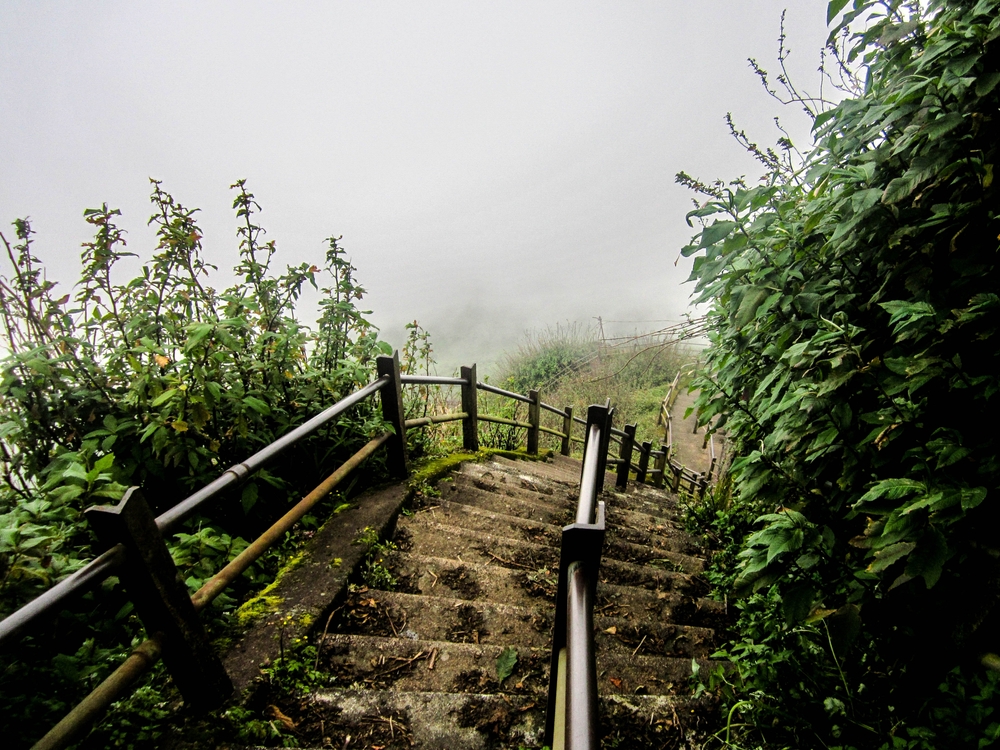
408, 665
421, 574
660, 536
645, 605
503, 481
482, 721
466, 489
442, 618
646, 637
474, 518
557, 470
425, 720
646, 501
438, 618
427, 537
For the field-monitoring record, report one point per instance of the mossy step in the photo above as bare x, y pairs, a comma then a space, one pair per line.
672, 543
505, 546
557, 470
427, 537
502, 480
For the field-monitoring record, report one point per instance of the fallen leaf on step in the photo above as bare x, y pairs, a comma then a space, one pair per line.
615, 681
612, 630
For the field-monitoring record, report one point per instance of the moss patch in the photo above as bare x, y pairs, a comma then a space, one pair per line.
266, 602
432, 471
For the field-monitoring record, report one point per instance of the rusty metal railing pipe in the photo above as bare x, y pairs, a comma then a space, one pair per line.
79, 582
431, 380
91, 708
501, 392
221, 580
237, 474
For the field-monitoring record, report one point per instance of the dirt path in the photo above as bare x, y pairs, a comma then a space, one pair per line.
690, 449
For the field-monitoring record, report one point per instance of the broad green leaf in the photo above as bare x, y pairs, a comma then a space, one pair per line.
943, 125
257, 405
833, 9
897, 189
972, 497
887, 556
164, 397
506, 663
715, 232
892, 489
248, 498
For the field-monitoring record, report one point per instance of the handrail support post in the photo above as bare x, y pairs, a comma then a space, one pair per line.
640, 474
660, 467
470, 405
567, 441
535, 420
392, 412
161, 599
625, 454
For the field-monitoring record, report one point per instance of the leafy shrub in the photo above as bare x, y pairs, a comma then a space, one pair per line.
161, 381
854, 362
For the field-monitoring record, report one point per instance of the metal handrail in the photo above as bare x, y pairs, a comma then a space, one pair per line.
90, 575
571, 717
501, 392
238, 474
588, 480
431, 380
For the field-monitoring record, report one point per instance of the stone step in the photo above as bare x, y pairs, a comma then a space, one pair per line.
502, 481
438, 618
446, 577
408, 664
466, 489
646, 533
480, 721
435, 539
442, 618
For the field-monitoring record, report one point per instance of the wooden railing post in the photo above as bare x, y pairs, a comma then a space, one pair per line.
678, 470
567, 442
162, 600
640, 475
470, 405
628, 442
534, 419
660, 465
392, 412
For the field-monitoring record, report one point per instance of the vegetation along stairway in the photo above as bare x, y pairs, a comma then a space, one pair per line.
452, 650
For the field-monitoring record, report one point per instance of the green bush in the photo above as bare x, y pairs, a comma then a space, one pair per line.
854, 364
159, 381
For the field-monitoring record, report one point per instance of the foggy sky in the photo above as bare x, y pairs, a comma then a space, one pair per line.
492, 167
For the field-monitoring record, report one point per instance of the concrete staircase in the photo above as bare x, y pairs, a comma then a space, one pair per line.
456, 655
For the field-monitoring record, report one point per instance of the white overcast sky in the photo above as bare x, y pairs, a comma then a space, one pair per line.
492, 166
